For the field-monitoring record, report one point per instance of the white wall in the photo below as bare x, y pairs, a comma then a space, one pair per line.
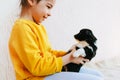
102, 16
8, 12
68, 17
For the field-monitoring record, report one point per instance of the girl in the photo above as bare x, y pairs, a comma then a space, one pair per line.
30, 50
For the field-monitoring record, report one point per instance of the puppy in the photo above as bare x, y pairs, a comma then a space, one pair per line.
87, 52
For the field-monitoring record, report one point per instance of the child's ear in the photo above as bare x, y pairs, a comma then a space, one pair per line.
31, 2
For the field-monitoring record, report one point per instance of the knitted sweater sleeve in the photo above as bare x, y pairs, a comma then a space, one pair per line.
24, 43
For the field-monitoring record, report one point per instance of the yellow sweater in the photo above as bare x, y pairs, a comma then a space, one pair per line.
31, 52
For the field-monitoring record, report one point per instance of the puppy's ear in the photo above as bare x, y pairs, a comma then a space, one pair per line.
92, 37
89, 35
89, 53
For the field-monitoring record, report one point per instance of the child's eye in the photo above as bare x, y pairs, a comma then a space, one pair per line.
49, 7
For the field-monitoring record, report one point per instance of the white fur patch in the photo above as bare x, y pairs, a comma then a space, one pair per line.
79, 52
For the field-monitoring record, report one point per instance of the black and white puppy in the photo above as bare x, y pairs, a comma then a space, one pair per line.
87, 52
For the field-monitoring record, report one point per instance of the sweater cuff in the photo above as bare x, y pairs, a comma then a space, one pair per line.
59, 64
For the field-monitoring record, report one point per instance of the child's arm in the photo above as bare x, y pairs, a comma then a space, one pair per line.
24, 45
57, 53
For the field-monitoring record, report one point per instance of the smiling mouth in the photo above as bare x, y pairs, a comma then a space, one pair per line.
44, 19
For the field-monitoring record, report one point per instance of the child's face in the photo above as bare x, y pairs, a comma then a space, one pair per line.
41, 10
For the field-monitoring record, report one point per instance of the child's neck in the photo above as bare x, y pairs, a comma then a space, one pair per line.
26, 14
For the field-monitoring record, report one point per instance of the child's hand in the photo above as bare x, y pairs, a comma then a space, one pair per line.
68, 58
73, 47
80, 60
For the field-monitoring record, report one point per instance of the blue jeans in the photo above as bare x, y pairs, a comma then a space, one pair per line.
83, 74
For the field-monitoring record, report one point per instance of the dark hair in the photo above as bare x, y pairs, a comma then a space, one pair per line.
24, 3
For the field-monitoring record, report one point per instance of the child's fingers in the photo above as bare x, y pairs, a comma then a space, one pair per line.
86, 60
83, 60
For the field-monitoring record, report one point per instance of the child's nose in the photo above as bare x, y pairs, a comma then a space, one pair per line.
49, 13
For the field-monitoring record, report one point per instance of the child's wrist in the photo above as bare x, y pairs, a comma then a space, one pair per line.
67, 59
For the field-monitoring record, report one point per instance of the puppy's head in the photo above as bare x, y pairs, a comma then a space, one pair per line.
87, 35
